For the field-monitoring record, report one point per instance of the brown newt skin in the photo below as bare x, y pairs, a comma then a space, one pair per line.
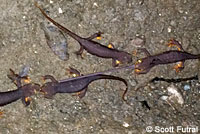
74, 85
144, 65
93, 47
22, 92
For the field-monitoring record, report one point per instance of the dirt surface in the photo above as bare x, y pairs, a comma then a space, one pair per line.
128, 24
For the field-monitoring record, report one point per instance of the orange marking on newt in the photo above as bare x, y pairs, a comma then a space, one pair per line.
178, 66
27, 99
134, 52
76, 94
98, 38
69, 72
171, 44
28, 80
110, 46
118, 62
137, 70
1, 113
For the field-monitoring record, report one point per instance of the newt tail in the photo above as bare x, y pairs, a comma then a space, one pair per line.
73, 35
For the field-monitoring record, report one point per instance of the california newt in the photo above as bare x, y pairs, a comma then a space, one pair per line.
22, 92
94, 47
75, 85
144, 65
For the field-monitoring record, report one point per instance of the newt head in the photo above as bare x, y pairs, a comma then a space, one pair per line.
124, 58
48, 89
30, 89
27, 91
143, 66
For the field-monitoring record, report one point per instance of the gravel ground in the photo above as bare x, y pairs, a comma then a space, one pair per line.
128, 24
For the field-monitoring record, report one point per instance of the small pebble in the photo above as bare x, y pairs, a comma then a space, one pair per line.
169, 29
174, 93
138, 42
125, 124
186, 87
95, 4
164, 98
60, 10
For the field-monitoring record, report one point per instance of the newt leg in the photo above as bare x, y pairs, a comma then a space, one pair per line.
144, 50
82, 93
73, 72
115, 62
17, 79
95, 35
175, 43
80, 51
180, 66
50, 78
26, 101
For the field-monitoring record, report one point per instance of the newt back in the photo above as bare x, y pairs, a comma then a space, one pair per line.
75, 85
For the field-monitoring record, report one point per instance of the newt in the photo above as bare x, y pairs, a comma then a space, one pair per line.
143, 66
93, 47
22, 92
77, 84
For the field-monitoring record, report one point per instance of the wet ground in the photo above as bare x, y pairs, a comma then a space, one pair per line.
128, 24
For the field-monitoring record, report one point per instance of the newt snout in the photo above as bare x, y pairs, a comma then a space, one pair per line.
49, 88
143, 66
125, 58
